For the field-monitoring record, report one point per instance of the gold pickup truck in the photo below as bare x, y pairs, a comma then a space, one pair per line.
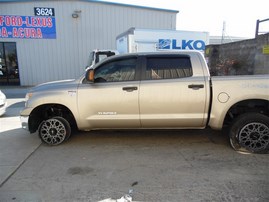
158, 90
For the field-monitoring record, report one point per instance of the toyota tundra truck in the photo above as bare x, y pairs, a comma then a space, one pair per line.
160, 90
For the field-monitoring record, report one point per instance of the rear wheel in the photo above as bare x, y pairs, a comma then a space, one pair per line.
250, 132
54, 131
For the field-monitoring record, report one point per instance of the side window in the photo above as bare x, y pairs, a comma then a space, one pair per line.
168, 68
116, 71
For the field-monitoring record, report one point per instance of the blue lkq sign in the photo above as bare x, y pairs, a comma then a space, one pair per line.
175, 44
27, 27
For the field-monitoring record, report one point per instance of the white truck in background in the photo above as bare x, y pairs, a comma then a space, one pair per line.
150, 40
98, 55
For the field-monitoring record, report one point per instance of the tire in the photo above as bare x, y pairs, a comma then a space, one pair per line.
54, 131
250, 133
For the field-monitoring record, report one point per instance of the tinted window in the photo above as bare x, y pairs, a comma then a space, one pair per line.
168, 68
115, 71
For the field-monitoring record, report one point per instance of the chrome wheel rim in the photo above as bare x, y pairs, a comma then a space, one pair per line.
254, 137
53, 132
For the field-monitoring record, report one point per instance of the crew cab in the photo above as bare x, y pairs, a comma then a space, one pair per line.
160, 90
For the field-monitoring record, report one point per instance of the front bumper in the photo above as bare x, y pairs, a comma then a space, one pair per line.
24, 122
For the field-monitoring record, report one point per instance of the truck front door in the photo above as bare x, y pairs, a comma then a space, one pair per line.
112, 100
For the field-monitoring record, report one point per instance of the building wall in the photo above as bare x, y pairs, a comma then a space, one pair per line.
261, 61
98, 24
216, 40
239, 58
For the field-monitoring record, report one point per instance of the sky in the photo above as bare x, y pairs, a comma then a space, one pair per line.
237, 17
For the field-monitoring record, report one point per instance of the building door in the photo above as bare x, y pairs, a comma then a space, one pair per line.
9, 69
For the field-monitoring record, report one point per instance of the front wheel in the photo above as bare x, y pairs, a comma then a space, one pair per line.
250, 132
54, 131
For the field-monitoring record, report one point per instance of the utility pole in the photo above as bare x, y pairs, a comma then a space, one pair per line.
223, 31
224, 34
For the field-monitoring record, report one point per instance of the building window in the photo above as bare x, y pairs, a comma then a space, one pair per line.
9, 69
168, 68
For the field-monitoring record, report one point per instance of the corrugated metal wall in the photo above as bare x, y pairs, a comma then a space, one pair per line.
98, 24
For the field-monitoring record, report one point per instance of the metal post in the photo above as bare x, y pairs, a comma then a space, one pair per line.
257, 28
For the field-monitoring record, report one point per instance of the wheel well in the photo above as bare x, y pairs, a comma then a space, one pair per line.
259, 106
47, 111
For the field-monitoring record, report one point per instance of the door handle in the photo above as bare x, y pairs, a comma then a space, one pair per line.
129, 89
196, 86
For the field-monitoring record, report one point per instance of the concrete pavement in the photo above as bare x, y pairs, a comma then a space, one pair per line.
16, 144
98, 166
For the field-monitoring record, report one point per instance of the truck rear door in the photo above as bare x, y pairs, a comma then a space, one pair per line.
171, 96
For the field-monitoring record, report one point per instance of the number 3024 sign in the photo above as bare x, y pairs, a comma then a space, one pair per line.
43, 11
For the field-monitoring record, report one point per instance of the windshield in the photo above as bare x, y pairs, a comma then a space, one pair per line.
96, 56
100, 56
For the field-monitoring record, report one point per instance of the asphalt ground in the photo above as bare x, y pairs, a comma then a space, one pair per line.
154, 165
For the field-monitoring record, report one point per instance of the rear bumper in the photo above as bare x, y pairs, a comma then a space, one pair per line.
24, 122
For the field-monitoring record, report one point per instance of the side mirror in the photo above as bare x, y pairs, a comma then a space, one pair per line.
90, 75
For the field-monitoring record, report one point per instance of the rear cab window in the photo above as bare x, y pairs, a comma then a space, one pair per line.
168, 67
